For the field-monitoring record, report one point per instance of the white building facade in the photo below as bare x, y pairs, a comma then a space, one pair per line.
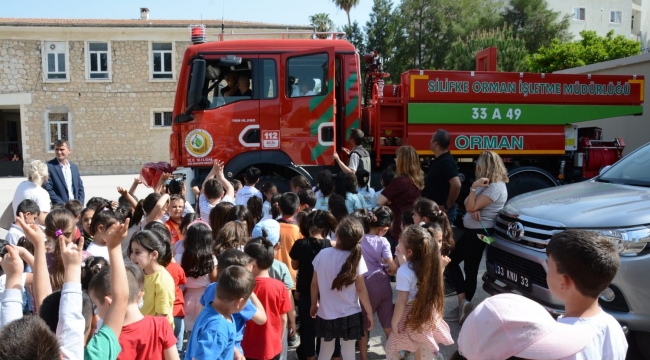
630, 18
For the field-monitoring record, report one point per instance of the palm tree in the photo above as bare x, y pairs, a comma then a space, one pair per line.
346, 5
321, 23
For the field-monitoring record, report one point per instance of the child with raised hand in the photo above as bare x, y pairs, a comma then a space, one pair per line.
268, 190
215, 332
276, 301
25, 338
337, 311
253, 310
417, 324
581, 265
104, 344
364, 189
216, 188
141, 337
152, 208
377, 254
200, 267
315, 228
151, 253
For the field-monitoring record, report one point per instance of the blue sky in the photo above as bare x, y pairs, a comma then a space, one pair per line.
274, 11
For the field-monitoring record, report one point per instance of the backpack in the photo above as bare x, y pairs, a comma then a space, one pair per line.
364, 158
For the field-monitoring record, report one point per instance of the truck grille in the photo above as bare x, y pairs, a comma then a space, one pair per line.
536, 235
533, 270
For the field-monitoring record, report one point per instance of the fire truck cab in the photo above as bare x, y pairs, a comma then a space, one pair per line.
303, 100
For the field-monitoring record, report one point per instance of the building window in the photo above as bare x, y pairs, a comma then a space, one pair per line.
161, 54
55, 60
98, 60
58, 128
162, 118
579, 13
615, 17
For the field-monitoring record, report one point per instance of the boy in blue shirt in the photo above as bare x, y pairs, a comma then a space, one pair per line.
253, 310
213, 335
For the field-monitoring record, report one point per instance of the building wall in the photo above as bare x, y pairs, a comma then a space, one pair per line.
111, 128
597, 16
633, 130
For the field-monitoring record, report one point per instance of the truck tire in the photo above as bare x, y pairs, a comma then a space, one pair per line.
281, 183
527, 181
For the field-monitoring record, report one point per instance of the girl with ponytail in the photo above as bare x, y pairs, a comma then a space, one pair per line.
59, 222
337, 312
417, 324
426, 211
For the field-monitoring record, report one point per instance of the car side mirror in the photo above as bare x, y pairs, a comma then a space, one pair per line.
604, 170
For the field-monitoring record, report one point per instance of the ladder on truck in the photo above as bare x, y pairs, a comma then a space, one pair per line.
390, 129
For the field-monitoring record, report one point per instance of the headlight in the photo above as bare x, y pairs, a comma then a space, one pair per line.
629, 242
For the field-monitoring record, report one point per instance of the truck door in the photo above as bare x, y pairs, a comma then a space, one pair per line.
308, 106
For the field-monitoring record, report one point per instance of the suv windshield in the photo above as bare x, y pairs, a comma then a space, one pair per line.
634, 169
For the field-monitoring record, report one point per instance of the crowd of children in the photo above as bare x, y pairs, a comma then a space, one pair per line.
248, 271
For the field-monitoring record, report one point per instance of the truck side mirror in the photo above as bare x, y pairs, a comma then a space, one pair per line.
195, 91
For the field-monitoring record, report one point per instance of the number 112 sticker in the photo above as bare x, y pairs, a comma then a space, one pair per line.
270, 139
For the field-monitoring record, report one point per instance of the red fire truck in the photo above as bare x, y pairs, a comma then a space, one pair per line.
306, 97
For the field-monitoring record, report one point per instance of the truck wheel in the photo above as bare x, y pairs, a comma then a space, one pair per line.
281, 183
526, 182
643, 343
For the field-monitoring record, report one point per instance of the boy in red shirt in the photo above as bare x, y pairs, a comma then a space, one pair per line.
142, 337
173, 224
264, 342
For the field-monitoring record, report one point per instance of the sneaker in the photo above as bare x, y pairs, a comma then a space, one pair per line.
452, 315
465, 308
293, 341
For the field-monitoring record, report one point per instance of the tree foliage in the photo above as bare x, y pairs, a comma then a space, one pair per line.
535, 23
380, 28
346, 5
355, 36
511, 50
321, 22
428, 28
591, 49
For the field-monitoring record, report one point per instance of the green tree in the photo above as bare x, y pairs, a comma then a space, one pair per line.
346, 5
590, 50
355, 36
321, 22
380, 28
535, 23
427, 29
511, 51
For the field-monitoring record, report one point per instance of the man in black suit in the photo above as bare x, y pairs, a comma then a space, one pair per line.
64, 182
